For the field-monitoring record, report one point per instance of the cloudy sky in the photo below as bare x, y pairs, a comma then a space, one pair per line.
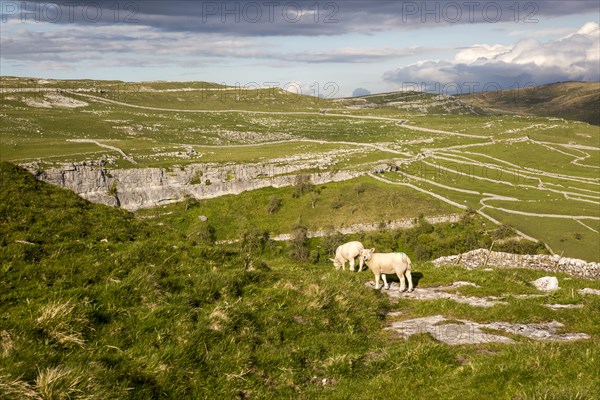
328, 48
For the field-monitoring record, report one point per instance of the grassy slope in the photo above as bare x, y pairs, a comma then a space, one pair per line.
377, 202
570, 100
151, 314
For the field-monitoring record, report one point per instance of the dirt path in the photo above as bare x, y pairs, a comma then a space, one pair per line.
106, 146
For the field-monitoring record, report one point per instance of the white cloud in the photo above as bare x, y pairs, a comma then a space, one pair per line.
572, 57
479, 51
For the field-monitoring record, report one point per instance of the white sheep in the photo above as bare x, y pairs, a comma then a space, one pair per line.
348, 252
389, 263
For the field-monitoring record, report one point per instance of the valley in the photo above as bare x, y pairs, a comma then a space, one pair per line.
152, 144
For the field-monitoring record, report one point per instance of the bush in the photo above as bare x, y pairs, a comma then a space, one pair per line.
359, 188
274, 205
299, 243
207, 233
331, 240
314, 256
253, 241
337, 203
302, 184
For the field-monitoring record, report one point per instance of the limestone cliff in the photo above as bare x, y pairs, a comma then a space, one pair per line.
137, 188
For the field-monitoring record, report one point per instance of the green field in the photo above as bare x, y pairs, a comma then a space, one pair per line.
377, 203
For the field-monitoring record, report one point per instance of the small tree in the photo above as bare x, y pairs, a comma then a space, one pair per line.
314, 197
274, 204
190, 201
302, 184
331, 240
299, 243
253, 240
336, 203
359, 188
207, 233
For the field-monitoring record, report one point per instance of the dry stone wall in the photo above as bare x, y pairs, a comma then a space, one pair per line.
482, 258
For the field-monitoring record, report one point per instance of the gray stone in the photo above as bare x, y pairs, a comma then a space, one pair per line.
589, 291
468, 332
436, 293
546, 284
563, 306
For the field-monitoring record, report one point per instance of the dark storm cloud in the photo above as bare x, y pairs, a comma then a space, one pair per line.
289, 18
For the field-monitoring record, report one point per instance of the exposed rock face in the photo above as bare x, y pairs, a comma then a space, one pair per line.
470, 332
390, 225
137, 188
436, 293
481, 258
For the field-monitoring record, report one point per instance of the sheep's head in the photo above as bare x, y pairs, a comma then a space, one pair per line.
336, 263
367, 254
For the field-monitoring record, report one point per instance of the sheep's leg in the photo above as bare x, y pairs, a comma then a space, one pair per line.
361, 262
409, 279
377, 280
352, 264
401, 277
386, 286
343, 265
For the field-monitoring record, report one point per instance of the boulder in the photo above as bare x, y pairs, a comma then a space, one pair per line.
546, 283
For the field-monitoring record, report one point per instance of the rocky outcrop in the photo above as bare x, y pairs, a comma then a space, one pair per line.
390, 225
460, 332
137, 188
481, 258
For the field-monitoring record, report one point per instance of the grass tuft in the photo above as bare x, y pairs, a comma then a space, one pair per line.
60, 322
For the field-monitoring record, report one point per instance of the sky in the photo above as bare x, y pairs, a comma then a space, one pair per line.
325, 48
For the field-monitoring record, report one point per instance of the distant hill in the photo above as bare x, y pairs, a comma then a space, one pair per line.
412, 102
569, 100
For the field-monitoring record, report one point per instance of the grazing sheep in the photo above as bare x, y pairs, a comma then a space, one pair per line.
389, 263
348, 252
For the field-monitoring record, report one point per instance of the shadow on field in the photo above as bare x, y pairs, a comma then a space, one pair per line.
416, 277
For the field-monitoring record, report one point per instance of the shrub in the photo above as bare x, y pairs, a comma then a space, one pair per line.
331, 240
196, 178
112, 191
302, 184
359, 188
274, 205
299, 243
253, 241
207, 233
336, 204
314, 256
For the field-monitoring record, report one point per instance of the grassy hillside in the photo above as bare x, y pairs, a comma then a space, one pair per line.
570, 100
97, 305
339, 204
